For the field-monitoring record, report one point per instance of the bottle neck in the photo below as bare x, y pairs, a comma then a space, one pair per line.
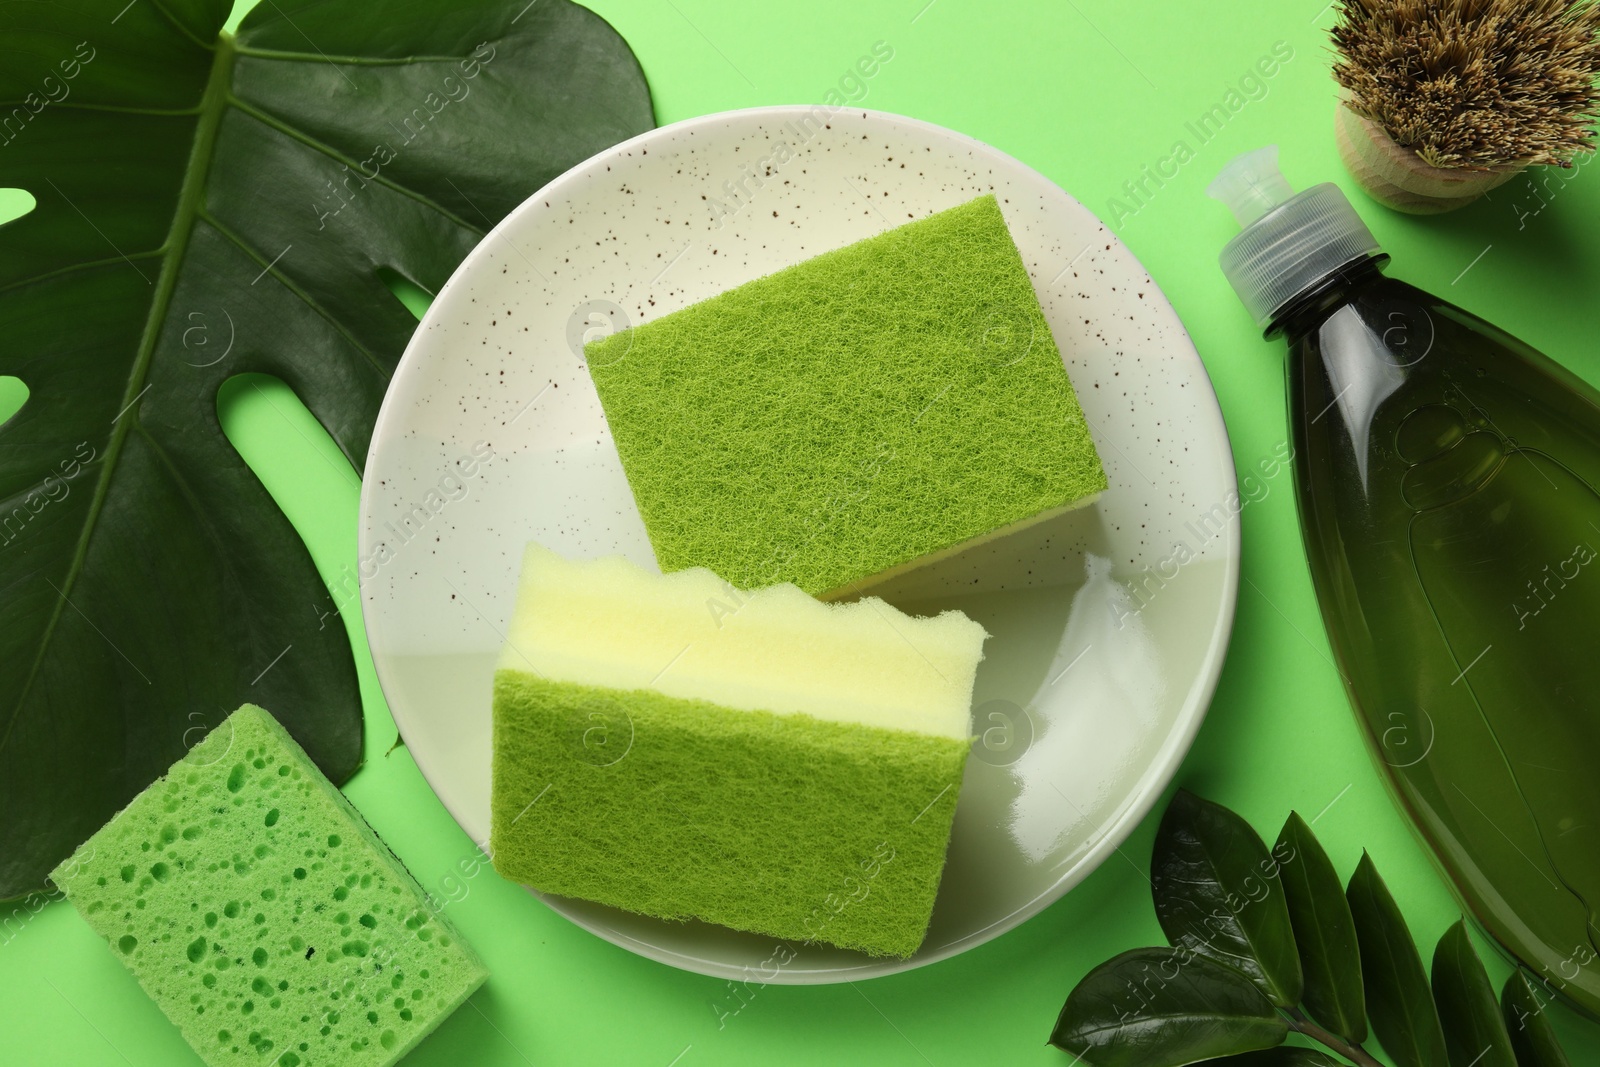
1314, 303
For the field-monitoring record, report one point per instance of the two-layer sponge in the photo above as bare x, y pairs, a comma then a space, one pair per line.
852, 416
261, 913
676, 747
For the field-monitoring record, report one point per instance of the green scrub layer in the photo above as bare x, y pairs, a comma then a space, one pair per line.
783, 825
872, 408
261, 913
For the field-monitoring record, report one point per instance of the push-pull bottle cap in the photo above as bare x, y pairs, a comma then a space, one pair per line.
1290, 241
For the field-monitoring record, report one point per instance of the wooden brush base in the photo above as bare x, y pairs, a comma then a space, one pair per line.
1398, 178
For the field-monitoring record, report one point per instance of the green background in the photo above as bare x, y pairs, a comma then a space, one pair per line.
1087, 92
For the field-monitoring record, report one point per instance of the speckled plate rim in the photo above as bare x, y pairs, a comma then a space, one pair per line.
1166, 760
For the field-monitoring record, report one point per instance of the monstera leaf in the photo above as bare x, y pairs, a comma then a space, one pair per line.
209, 205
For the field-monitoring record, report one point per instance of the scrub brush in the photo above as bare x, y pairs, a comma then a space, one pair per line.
1443, 100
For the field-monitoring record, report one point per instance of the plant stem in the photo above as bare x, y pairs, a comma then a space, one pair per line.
1355, 1053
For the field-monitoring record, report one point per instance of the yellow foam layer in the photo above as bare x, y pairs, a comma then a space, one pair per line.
607, 622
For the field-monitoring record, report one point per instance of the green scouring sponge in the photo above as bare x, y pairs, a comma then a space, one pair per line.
853, 416
261, 913
676, 747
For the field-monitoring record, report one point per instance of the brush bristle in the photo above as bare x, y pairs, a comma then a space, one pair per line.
1474, 83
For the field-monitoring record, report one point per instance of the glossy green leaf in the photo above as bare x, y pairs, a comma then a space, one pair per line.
1324, 932
1217, 893
1523, 1002
1399, 1002
1162, 1007
1282, 1056
209, 206
1474, 1033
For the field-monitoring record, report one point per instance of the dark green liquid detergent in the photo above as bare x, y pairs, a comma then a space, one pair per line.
1447, 475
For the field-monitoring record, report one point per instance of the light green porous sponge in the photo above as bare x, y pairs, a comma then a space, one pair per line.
261, 913
852, 416
672, 746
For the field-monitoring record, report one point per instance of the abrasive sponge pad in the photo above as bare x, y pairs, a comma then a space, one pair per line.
677, 747
261, 913
851, 416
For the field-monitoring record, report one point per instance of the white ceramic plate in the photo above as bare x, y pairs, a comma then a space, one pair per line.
1109, 624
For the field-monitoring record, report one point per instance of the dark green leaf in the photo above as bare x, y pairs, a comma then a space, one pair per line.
1282, 1056
208, 207
1399, 1002
1217, 893
1324, 932
1532, 1036
1160, 1007
1473, 1030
